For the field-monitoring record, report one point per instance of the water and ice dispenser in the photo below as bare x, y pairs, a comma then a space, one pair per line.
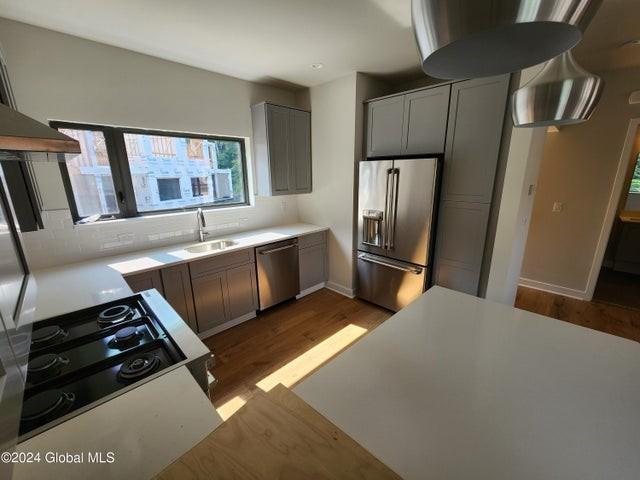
372, 227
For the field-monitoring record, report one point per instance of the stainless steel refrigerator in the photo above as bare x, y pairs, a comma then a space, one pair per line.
396, 218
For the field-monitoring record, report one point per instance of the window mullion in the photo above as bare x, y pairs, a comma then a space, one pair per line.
120, 167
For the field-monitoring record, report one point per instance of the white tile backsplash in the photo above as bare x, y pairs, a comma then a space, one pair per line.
63, 242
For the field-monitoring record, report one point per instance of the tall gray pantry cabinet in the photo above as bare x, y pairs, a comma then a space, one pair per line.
464, 120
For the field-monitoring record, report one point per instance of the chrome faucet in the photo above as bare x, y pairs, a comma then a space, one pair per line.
201, 225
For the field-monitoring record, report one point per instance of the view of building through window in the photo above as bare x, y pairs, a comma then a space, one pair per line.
164, 172
173, 172
90, 174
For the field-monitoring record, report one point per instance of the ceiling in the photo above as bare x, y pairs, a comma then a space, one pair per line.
603, 46
276, 41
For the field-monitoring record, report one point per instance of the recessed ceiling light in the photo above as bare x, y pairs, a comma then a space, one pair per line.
317, 66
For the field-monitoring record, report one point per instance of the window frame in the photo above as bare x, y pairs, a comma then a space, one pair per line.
121, 173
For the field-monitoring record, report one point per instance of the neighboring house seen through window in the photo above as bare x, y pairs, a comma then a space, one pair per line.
127, 172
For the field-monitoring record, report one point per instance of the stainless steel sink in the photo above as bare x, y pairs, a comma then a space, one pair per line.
213, 246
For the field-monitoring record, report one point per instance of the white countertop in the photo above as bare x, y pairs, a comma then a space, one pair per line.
79, 285
458, 387
154, 423
172, 415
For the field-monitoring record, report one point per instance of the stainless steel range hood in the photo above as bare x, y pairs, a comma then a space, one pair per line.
21, 134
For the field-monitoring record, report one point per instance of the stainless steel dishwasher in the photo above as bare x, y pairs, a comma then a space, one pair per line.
278, 277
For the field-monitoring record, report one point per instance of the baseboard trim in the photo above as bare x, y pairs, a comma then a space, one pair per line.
309, 290
552, 288
226, 325
341, 289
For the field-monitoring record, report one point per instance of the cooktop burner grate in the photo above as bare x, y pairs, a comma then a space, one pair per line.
126, 337
114, 315
46, 405
82, 358
138, 366
47, 335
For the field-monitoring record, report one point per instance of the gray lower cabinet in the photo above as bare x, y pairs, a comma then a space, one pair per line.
312, 260
145, 281
177, 291
242, 290
474, 135
408, 124
282, 149
224, 288
209, 296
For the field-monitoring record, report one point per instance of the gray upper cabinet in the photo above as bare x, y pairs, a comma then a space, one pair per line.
177, 290
282, 148
425, 114
300, 165
475, 130
408, 124
384, 126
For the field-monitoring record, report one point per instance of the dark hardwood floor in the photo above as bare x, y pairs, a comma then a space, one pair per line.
285, 344
618, 288
613, 319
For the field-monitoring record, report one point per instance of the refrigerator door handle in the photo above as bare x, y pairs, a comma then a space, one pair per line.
387, 210
368, 258
394, 207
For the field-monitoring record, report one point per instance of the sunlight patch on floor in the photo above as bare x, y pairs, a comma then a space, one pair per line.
230, 407
304, 364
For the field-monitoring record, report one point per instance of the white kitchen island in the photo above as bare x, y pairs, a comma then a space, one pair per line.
456, 387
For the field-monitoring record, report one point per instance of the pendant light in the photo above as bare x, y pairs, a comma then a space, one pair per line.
477, 38
562, 93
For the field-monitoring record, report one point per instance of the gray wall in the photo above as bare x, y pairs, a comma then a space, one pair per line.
57, 76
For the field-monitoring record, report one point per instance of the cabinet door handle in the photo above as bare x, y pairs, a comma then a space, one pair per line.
274, 250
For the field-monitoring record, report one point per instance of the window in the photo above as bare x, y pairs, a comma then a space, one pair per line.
194, 148
635, 179
199, 186
162, 146
168, 189
124, 172
89, 175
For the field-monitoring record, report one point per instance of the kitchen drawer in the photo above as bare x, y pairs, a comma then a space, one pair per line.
312, 239
221, 262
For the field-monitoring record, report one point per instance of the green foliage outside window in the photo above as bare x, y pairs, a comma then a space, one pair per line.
635, 180
229, 156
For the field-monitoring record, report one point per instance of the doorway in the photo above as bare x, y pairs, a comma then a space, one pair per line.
618, 281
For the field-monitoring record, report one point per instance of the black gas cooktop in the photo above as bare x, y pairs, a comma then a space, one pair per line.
82, 357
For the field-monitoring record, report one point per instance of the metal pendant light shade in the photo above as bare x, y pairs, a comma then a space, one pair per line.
478, 38
563, 93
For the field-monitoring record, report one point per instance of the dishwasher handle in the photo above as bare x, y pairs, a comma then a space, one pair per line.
274, 250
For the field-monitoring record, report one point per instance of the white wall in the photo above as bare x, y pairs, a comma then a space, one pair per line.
337, 130
578, 168
57, 76
331, 202
516, 202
